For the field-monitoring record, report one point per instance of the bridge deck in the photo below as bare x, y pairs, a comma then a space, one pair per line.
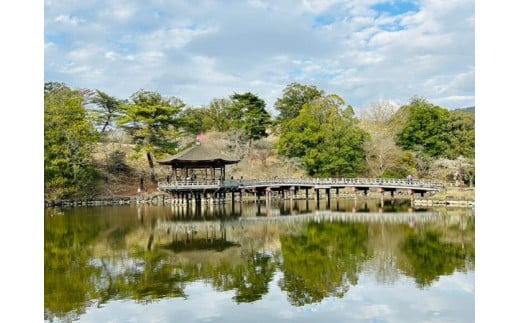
387, 184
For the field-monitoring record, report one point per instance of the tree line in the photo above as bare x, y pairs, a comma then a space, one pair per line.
319, 130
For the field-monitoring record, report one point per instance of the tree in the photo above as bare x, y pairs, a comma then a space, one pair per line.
150, 120
295, 95
383, 157
106, 110
193, 120
461, 127
379, 113
218, 114
326, 137
69, 140
425, 129
248, 114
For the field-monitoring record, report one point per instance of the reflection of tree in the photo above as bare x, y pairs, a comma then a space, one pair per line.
250, 279
254, 279
430, 257
153, 277
67, 272
324, 261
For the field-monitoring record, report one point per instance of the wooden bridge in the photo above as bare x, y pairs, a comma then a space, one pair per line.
198, 191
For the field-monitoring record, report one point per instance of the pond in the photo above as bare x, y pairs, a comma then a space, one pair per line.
286, 261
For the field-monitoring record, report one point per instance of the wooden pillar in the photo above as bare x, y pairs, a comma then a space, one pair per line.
410, 192
317, 197
327, 191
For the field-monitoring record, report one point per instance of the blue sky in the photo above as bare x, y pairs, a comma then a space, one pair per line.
366, 51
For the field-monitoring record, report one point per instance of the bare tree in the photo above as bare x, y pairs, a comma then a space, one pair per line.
382, 153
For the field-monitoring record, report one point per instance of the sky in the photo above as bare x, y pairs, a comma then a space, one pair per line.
366, 51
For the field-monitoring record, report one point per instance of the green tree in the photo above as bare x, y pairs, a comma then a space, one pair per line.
295, 95
218, 114
248, 114
151, 121
426, 129
69, 140
326, 137
193, 120
106, 109
461, 127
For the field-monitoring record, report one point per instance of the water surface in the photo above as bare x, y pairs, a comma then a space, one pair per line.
281, 262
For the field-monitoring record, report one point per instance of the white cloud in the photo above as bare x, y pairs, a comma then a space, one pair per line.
69, 20
318, 6
219, 47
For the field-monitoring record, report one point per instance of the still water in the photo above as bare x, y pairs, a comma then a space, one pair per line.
289, 261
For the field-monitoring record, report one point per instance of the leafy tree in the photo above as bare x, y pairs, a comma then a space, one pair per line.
295, 95
151, 121
425, 129
461, 139
116, 162
106, 110
69, 140
218, 114
248, 114
326, 137
193, 120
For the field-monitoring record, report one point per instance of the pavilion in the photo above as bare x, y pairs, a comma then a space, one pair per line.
200, 163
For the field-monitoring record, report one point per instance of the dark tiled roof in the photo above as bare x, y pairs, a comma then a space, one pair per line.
198, 155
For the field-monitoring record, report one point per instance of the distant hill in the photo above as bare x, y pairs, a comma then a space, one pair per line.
468, 110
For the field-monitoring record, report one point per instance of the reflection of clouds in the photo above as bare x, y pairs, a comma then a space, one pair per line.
456, 282
376, 311
367, 301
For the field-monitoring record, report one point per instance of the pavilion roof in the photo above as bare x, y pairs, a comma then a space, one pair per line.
200, 155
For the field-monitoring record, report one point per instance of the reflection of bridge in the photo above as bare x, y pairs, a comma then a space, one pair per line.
317, 216
197, 191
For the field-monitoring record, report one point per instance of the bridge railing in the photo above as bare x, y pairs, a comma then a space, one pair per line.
228, 184
345, 181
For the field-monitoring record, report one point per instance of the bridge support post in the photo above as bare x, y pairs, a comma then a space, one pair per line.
382, 191
410, 192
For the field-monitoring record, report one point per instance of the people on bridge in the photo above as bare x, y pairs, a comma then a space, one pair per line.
410, 179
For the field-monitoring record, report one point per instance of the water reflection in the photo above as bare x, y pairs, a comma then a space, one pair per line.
97, 255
